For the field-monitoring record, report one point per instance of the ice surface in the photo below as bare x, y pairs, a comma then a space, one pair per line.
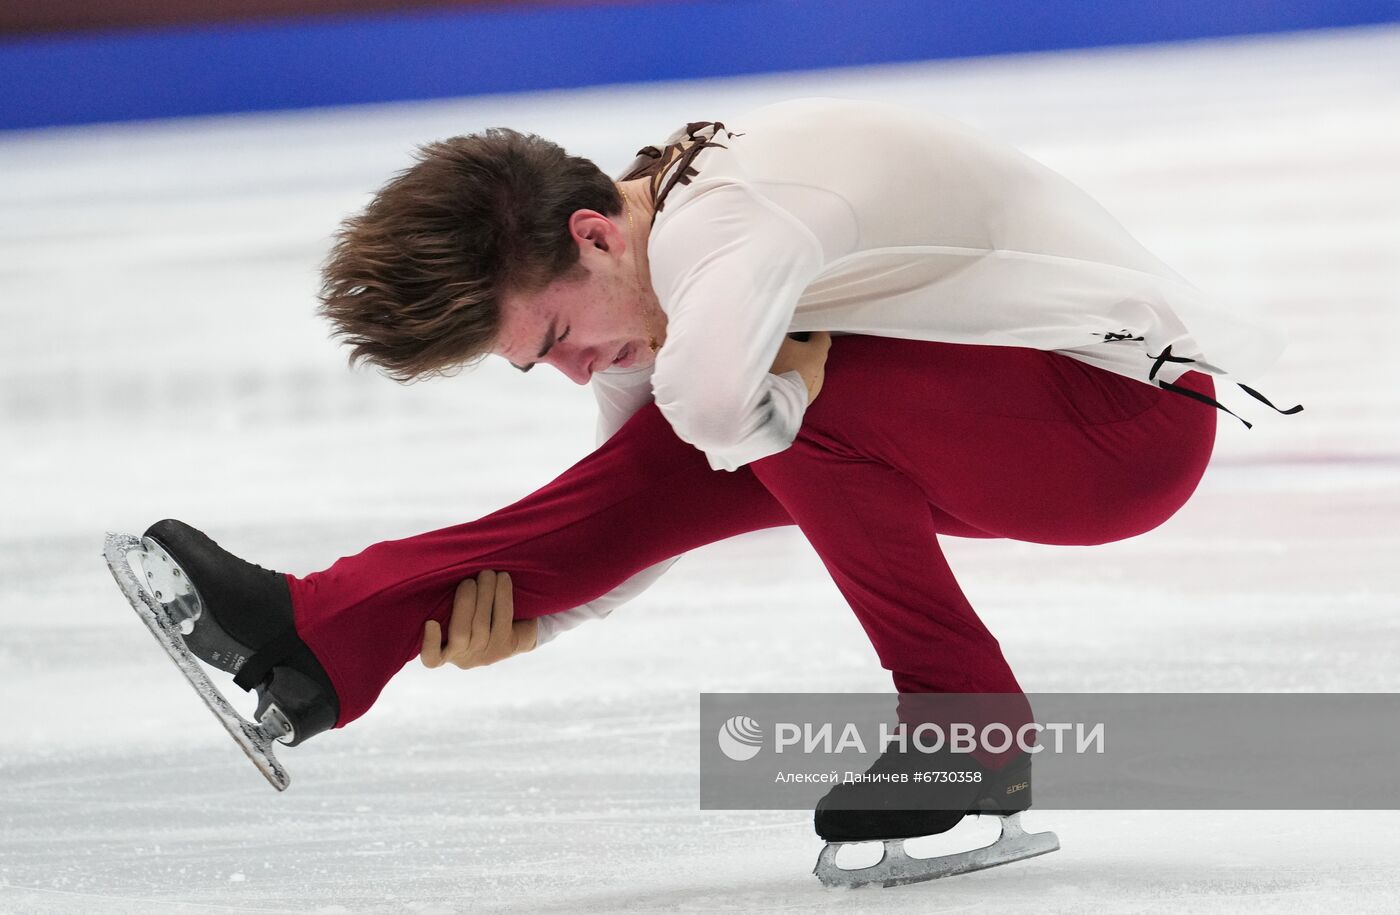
160, 358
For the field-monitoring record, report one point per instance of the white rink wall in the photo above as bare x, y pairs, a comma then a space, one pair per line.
160, 356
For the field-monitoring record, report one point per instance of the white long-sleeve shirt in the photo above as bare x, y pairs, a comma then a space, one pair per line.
860, 218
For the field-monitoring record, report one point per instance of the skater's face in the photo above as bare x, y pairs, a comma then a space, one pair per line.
602, 314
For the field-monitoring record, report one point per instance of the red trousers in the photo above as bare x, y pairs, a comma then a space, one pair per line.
908, 440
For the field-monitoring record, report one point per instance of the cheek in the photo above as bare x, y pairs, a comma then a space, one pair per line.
629, 314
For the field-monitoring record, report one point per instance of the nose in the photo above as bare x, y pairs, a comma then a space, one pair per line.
576, 366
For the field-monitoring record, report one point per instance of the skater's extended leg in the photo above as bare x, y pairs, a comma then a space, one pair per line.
642, 497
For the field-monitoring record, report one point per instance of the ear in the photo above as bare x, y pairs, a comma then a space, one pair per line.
595, 232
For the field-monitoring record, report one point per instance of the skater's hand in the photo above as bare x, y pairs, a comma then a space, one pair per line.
483, 628
808, 358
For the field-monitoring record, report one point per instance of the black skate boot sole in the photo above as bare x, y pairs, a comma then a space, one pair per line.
123, 554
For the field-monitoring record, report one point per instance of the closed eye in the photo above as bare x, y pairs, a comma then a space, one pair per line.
548, 344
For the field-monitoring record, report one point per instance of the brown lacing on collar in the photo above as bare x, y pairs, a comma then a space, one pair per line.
676, 158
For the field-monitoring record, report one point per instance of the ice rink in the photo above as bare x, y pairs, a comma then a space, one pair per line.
160, 357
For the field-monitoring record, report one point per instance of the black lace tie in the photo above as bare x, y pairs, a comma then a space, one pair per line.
1166, 356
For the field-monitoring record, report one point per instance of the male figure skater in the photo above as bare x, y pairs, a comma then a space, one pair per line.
1009, 362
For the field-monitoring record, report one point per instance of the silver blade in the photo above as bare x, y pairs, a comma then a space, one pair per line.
896, 867
123, 554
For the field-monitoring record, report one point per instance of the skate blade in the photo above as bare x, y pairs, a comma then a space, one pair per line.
123, 554
896, 867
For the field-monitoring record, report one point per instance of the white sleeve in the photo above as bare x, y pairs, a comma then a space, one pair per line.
620, 394
728, 267
555, 623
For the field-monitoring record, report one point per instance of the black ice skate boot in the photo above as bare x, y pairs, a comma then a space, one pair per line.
237, 617
890, 807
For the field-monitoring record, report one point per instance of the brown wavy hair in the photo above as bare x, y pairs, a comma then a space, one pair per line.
414, 283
